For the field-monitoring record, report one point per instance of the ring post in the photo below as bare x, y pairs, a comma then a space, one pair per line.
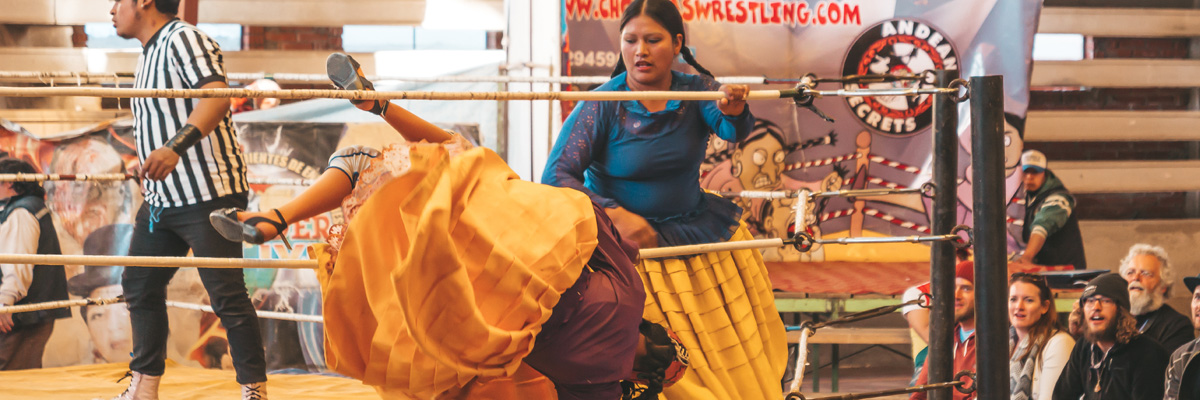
945, 205
987, 140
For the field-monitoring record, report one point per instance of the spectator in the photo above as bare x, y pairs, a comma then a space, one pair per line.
1183, 378
964, 331
1051, 232
1038, 348
1114, 361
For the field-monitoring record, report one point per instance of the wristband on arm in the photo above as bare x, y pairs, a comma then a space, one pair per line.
187, 137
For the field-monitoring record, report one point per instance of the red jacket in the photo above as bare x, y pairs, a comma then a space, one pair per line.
964, 359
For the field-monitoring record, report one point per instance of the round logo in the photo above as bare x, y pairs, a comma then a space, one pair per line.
898, 46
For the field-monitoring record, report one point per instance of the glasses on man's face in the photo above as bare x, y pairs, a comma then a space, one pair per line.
1095, 301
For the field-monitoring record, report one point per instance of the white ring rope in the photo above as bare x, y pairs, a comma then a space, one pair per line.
121, 177
51, 305
760, 194
801, 360
199, 262
675, 251
261, 314
301, 94
88, 77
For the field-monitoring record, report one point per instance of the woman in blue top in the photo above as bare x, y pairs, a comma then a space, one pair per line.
641, 161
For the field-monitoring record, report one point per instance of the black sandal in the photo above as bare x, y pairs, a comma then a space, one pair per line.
346, 74
226, 223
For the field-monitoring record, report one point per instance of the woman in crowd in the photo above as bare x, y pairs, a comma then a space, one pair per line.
640, 160
1038, 348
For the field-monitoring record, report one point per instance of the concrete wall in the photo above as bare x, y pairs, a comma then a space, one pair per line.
1106, 242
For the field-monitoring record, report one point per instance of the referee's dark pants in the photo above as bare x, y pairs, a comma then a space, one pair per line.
177, 229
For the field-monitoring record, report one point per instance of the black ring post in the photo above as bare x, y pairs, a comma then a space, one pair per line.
991, 269
940, 361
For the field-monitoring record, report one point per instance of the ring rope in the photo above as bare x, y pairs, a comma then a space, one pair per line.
303, 94
51, 305
122, 177
261, 314
90, 77
760, 194
957, 385
808, 328
171, 262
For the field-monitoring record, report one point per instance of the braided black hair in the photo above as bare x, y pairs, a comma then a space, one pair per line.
666, 14
651, 367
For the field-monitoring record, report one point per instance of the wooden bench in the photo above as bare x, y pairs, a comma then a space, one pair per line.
873, 337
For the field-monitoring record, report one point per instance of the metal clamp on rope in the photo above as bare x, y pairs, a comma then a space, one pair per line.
803, 242
962, 243
804, 96
959, 387
962, 91
928, 190
925, 300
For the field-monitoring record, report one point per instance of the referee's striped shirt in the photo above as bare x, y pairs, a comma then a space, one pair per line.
179, 56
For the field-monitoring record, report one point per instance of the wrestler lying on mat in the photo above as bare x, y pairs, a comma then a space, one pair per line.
453, 274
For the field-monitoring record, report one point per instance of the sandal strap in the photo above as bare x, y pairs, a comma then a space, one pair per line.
280, 226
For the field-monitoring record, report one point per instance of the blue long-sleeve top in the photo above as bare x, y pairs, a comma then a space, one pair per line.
620, 154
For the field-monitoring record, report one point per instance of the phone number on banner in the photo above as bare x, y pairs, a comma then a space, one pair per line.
605, 59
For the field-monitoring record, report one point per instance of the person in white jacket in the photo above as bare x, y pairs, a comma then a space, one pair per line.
1038, 348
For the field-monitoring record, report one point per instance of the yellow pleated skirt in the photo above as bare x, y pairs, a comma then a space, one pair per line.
721, 306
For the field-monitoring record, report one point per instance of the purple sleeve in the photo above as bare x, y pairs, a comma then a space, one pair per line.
574, 149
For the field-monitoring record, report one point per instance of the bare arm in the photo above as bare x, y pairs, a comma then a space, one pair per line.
1036, 241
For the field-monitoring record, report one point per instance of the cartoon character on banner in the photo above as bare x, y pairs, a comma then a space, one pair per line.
1014, 144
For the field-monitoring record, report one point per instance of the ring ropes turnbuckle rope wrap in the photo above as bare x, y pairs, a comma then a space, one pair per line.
926, 190
51, 305
300, 94
122, 177
48, 77
804, 242
170, 262
958, 384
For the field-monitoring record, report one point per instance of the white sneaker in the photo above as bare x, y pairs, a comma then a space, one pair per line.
141, 387
254, 391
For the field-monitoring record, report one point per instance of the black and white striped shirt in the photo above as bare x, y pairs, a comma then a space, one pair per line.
179, 56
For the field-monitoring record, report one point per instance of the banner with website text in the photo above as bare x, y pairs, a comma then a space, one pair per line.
875, 142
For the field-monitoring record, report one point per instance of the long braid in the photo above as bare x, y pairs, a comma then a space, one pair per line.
691, 60
620, 66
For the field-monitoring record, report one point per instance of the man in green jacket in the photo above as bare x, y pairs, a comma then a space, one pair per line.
1051, 231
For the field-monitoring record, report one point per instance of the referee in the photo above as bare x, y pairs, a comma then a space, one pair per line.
191, 165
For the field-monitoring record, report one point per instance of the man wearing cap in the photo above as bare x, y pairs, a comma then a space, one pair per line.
964, 331
1115, 361
1051, 232
1183, 377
